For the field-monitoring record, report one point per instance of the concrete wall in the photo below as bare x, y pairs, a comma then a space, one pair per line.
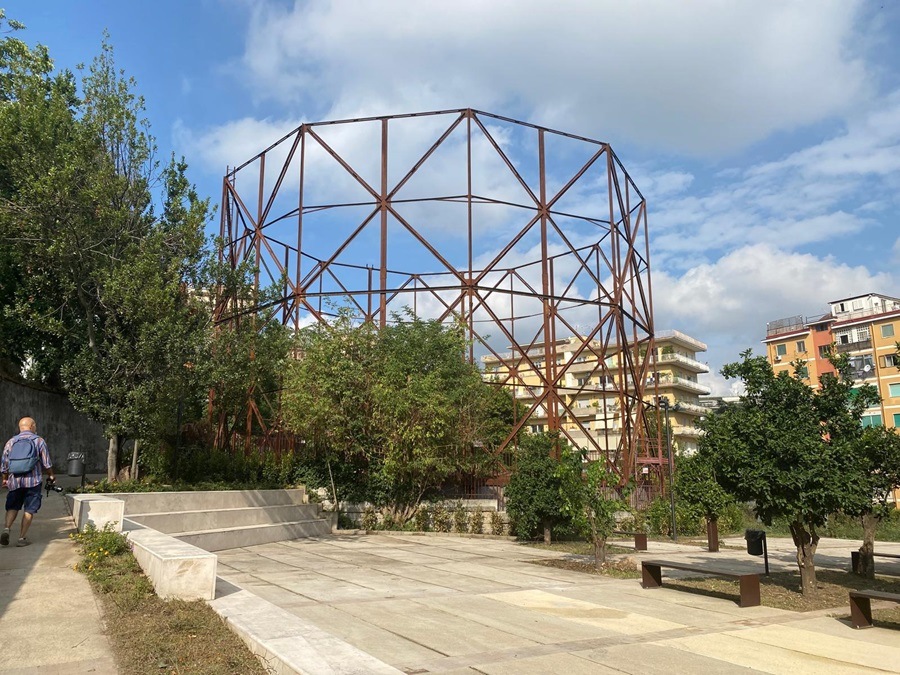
64, 428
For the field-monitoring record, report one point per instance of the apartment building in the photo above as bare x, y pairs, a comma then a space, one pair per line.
591, 389
866, 328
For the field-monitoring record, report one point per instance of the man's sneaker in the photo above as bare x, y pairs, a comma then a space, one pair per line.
4, 538
23, 542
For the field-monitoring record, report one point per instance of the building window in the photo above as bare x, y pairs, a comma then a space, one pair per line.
897, 419
862, 334
537, 428
894, 389
804, 372
888, 361
821, 327
825, 351
801, 346
887, 330
842, 338
871, 420
581, 381
857, 304
780, 350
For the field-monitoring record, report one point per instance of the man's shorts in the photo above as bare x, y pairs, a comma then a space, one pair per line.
29, 497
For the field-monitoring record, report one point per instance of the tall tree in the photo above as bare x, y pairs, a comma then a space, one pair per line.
786, 447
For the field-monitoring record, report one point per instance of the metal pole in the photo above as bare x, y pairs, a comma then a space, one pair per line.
665, 404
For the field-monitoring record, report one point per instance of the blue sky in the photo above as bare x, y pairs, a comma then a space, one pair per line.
765, 135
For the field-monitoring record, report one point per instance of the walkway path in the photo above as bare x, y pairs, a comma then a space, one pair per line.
456, 605
49, 619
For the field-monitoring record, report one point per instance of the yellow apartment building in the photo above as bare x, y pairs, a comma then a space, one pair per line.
590, 390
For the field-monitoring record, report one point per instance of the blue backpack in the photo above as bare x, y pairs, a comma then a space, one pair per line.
23, 455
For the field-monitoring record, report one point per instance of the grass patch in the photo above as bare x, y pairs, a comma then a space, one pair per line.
782, 589
151, 635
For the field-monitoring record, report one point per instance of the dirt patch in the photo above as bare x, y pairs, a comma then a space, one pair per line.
619, 569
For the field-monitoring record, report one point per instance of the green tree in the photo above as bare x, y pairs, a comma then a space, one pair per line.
400, 405
591, 499
877, 464
534, 495
786, 447
697, 488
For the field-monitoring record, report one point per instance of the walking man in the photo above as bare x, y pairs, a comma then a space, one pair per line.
25, 458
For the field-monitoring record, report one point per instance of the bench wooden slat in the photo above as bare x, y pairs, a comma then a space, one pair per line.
701, 569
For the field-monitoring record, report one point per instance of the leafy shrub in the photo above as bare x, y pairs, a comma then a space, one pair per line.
497, 525
731, 519
421, 518
460, 519
389, 522
533, 492
476, 525
658, 517
440, 518
369, 519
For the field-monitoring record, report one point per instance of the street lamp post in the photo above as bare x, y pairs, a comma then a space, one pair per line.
664, 404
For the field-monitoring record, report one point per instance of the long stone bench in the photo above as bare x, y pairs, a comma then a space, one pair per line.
175, 568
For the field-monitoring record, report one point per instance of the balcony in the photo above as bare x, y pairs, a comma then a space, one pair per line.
678, 337
690, 408
853, 346
689, 432
684, 361
666, 381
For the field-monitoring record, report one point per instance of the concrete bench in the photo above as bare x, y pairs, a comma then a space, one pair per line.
98, 510
176, 569
640, 539
651, 577
854, 558
861, 606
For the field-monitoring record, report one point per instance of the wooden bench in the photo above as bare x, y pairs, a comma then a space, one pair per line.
861, 606
640, 539
854, 558
651, 577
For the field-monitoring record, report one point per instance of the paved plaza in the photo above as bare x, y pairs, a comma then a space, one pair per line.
429, 604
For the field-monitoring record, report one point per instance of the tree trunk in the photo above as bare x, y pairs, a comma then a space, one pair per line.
806, 543
867, 550
112, 459
712, 534
599, 552
134, 460
547, 531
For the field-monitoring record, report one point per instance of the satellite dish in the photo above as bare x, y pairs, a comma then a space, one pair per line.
867, 368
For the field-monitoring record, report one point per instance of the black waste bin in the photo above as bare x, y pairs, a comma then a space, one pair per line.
75, 462
755, 540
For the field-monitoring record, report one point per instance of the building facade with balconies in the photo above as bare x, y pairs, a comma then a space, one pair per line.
591, 390
866, 328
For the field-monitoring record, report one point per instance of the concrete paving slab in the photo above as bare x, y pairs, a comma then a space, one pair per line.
380, 642
486, 611
827, 625
653, 659
737, 649
541, 665
439, 631
451, 581
592, 614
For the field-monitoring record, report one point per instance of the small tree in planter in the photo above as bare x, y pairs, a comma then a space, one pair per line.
591, 498
421, 518
696, 486
440, 518
497, 525
460, 519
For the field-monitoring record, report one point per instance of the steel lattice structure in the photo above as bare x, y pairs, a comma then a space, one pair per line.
527, 235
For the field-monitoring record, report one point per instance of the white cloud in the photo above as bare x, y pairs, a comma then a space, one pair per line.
728, 303
702, 77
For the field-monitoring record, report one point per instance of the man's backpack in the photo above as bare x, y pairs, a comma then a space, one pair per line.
23, 455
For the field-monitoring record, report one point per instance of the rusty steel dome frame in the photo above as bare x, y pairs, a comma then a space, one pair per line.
546, 273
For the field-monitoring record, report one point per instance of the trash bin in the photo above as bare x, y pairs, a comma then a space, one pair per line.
755, 540
75, 462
